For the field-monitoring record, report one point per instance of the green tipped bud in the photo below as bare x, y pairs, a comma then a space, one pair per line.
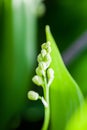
43, 52
43, 65
33, 95
37, 80
40, 71
47, 58
50, 75
49, 49
46, 46
39, 58
43, 46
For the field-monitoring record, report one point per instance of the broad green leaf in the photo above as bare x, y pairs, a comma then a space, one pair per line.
79, 120
65, 95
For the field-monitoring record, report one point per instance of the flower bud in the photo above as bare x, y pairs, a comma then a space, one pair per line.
43, 46
37, 80
39, 58
43, 52
49, 49
42, 65
50, 75
33, 95
46, 46
47, 58
40, 71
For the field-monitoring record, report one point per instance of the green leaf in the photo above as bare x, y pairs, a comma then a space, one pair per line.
18, 49
65, 95
79, 119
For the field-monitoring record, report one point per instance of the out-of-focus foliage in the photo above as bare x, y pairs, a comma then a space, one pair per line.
65, 95
79, 119
18, 50
67, 19
78, 70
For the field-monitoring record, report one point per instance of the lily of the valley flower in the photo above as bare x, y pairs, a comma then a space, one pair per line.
44, 74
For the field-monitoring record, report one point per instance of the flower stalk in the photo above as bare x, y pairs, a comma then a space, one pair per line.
44, 77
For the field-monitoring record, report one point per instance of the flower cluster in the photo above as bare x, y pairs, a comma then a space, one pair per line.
44, 74
43, 70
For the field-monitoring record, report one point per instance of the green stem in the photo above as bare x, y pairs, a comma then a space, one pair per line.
47, 109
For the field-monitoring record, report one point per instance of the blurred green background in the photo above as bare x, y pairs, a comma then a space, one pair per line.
22, 24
